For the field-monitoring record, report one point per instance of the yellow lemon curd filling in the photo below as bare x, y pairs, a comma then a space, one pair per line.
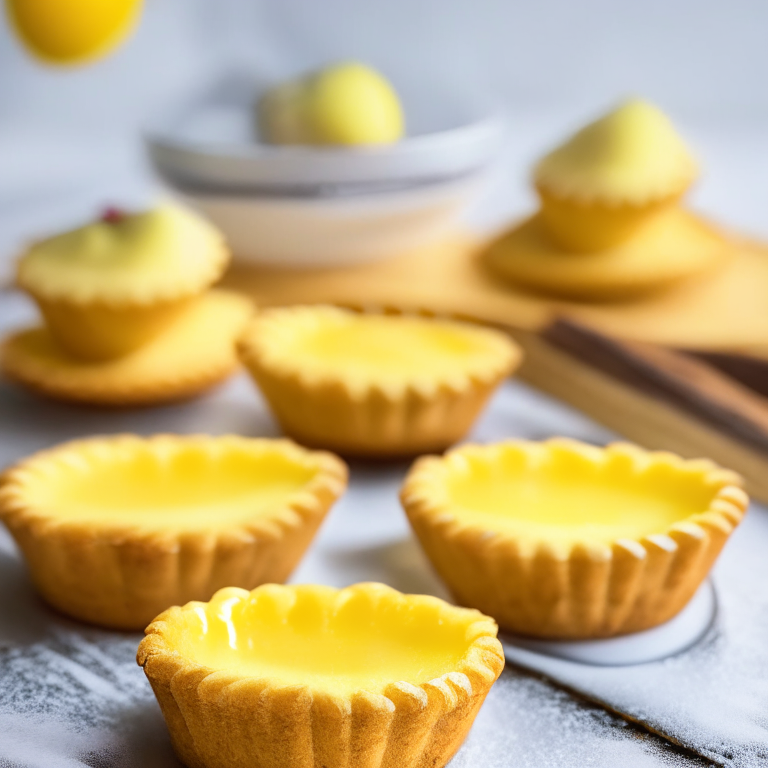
345, 104
72, 31
183, 484
563, 496
630, 155
377, 349
362, 638
157, 254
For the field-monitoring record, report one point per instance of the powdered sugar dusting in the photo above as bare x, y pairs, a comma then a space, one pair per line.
78, 699
73, 696
713, 698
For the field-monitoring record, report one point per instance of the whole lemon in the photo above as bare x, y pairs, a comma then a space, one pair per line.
348, 104
72, 31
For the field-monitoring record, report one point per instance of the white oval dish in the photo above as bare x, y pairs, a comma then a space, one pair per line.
213, 143
333, 231
674, 636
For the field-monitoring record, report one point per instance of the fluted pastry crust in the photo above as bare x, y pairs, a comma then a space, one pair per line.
630, 156
221, 718
409, 410
122, 567
193, 354
582, 587
603, 186
109, 287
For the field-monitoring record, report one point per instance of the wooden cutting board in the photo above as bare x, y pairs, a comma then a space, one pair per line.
726, 309
686, 370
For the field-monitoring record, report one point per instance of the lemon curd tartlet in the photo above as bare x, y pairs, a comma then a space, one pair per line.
610, 223
564, 540
109, 287
117, 529
378, 385
315, 677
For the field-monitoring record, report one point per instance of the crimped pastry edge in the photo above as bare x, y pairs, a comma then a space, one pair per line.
121, 575
424, 414
593, 589
568, 192
414, 726
119, 391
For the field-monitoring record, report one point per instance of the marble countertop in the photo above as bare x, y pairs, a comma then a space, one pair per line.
73, 696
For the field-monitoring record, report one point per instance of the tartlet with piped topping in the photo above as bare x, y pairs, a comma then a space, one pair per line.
610, 224
107, 288
117, 529
314, 676
611, 176
564, 540
378, 385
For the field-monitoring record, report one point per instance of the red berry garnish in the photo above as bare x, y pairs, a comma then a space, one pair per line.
112, 215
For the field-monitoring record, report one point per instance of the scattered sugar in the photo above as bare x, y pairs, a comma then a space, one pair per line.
713, 698
527, 723
78, 699
72, 696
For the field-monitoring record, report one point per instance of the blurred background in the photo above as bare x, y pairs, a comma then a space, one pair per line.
70, 138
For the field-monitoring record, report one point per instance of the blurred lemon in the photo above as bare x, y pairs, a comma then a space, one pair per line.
72, 31
347, 103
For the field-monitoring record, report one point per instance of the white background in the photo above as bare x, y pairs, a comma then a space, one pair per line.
69, 139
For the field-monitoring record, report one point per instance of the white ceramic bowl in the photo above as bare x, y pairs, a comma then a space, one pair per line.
261, 167
212, 144
301, 232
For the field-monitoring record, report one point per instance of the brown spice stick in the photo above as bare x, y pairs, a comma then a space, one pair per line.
657, 397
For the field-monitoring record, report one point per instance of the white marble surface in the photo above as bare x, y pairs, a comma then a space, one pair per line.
73, 696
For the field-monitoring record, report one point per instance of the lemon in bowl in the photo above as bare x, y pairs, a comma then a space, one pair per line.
344, 104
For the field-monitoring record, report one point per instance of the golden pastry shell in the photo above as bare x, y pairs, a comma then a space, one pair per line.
592, 590
182, 361
415, 415
122, 575
96, 326
219, 719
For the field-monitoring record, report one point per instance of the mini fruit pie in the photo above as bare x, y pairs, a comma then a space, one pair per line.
117, 529
610, 224
129, 319
316, 677
377, 385
564, 540
109, 287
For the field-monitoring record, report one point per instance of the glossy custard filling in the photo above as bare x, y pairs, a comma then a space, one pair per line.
323, 638
372, 347
187, 487
564, 498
